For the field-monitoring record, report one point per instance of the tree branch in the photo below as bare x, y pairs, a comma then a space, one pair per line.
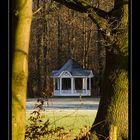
82, 6
117, 5
73, 4
101, 13
98, 16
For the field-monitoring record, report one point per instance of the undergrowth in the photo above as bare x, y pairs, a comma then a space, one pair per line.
37, 129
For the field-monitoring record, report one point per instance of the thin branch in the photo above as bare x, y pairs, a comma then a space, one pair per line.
37, 10
48, 8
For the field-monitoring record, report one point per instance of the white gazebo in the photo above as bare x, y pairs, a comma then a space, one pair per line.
72, 80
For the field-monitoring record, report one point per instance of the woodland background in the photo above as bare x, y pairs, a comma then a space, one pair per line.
57, 34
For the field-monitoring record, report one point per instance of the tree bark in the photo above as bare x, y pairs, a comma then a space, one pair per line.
113, 108
21, 21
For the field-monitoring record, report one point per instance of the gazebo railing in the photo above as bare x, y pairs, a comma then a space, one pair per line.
70, 92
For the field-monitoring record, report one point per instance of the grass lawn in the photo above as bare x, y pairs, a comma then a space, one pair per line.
70, 119
70, 113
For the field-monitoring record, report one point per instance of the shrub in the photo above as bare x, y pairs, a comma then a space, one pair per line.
37, 129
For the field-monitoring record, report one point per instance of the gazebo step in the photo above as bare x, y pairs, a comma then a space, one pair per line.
70, 93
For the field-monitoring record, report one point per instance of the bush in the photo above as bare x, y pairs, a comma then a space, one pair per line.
37, 129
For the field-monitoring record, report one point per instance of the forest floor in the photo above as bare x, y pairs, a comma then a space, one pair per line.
70, 113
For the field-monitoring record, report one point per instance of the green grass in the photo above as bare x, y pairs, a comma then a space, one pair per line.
69, 119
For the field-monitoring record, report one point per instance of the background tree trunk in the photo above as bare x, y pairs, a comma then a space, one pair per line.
21, 34
63, 38
59, 44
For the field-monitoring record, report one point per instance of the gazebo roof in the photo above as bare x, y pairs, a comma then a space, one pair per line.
73, 68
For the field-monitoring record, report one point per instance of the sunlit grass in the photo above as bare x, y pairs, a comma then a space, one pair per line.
69, 119
72, 114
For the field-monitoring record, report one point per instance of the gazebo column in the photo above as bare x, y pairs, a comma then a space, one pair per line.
85, 84
72, 85
90, 83
57, 82
60, 86
54, 84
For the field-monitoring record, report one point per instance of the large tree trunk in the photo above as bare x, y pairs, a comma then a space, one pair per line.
113, 107
20, 41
